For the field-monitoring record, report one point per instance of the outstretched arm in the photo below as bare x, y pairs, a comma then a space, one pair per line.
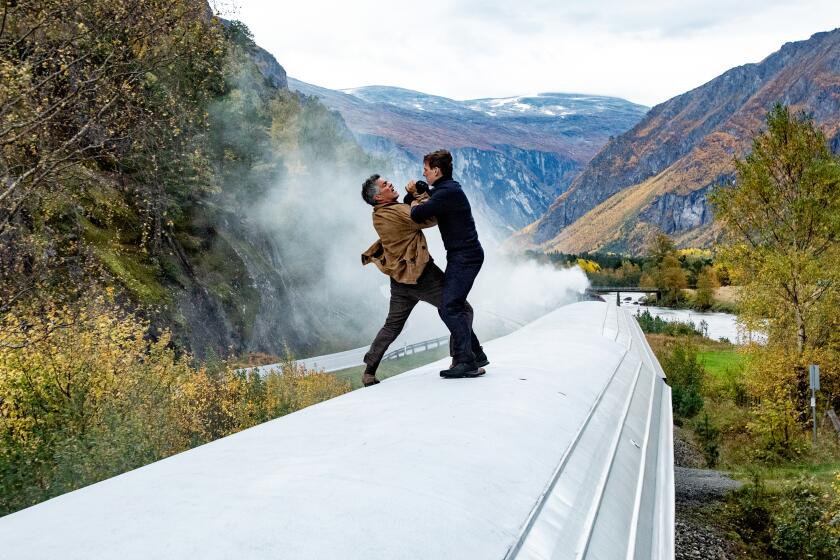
415, 199
427, 210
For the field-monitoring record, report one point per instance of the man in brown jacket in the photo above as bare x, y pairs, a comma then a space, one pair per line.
401, 252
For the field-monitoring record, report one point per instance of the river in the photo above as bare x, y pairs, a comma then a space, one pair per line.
719, 325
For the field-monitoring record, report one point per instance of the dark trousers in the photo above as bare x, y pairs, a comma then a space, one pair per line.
429, 288
461, 269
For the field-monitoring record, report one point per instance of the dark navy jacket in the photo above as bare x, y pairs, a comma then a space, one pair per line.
450, 206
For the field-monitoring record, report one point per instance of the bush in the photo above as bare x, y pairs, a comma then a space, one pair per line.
801, 529
656, 325
685, 375
792, 523
709, 437
776, 434
753, 506
85, 395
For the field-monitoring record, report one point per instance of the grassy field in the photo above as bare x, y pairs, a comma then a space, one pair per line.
390, 368
724, 365
721, 362
822, 473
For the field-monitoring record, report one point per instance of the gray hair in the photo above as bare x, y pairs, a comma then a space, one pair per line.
370, 189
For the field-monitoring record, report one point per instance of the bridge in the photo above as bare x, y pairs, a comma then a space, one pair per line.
624, 289
563, 450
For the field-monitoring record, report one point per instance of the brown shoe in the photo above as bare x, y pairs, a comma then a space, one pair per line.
369, 379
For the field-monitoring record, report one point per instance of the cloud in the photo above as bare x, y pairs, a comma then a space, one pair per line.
660, 18
643, 51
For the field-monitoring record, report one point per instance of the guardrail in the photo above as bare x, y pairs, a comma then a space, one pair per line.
414, 348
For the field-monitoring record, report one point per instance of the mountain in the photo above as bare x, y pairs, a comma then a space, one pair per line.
252, 267
655, 176
513, 155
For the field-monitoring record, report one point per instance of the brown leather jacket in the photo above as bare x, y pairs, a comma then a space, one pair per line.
401, 251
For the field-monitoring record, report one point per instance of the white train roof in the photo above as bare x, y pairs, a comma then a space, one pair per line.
563, 450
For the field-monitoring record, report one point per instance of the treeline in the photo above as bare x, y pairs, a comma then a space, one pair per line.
664, 267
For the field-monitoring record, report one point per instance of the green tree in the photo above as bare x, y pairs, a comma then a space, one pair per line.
685, 375
782, 219
709, 437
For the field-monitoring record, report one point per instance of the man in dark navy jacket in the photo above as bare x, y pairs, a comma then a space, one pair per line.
464, 257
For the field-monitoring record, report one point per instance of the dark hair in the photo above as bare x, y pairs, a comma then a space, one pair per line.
370, 189
441, 159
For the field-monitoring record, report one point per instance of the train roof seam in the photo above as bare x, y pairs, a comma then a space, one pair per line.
583, 543
535, 511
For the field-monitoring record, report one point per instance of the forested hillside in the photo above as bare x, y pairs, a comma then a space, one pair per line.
162, 203
153, 149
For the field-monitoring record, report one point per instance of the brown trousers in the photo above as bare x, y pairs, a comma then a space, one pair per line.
404, 297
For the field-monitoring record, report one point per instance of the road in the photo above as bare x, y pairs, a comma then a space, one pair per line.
352, 358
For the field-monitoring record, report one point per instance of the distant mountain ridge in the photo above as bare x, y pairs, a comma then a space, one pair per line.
655, 177
513, 155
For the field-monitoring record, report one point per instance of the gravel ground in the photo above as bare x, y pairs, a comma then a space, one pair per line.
698, 492
686, 453
697, 487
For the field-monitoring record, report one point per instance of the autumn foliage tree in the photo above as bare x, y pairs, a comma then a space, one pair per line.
101, 88
664, 270
85, 395
707, 281
782, 221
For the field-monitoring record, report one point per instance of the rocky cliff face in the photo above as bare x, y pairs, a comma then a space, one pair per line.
685, 146
674, 213
253, 268
509, 187
270, 68
513, 156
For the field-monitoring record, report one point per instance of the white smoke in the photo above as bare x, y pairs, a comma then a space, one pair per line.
320, 221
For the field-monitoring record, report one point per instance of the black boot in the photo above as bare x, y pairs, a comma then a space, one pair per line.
461, 370
369, 378
481, 358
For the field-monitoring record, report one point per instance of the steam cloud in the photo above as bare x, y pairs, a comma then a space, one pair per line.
321, 224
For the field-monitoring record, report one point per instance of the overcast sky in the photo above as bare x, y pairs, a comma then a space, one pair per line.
646, 51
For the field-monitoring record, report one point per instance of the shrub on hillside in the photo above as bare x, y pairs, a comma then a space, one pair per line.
790, 523
86, 395
685, 376
709, 437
